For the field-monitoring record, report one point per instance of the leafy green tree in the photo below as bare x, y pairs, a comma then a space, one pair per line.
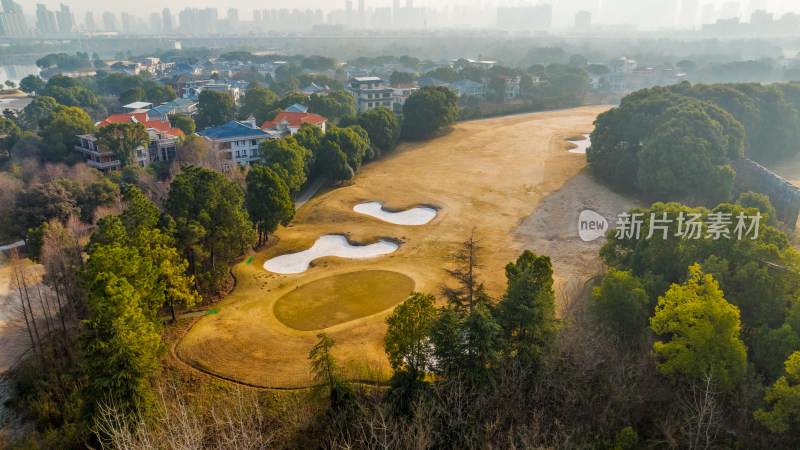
702, 331
328, 373
183, 122
288, 71
102, 192
407, 340
211, 223
686, 159
160, 94
120, 345
122, 139
319, 63
761, 203
352, 141
10, 133
58, 131
401, 78
428, 110
140, 227
255, 98
214, 108
382, 127
526, 313
287, 158
43, 202
309, 137
268, 200
331, 161
498, 86
39, 108
134, 94
333, 106
621, 304
783, 397
446, 74
32, 83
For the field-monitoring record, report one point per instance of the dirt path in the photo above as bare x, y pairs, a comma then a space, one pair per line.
490, 175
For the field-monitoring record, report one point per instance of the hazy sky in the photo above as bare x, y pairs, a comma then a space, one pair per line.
144, 7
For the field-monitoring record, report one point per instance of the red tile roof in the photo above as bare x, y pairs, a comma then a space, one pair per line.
163, 127
294, 119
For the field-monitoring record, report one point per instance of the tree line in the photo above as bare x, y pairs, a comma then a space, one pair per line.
677, 142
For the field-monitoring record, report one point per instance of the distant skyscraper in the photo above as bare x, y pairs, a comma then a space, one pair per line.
66, 23
233, 16
688, 17
89, 20
155, 23
109, 22
708, 14
128, 23
45, 20
256, 17
583, 20
730, 10
757, 5
12, 22
409, 3
362, 14
166, 20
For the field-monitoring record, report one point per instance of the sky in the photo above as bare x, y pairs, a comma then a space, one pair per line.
144, 7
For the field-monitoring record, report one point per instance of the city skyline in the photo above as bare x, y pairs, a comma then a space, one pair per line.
53, 17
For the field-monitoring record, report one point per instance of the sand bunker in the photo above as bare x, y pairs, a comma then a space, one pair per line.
328, 245
582, 145
414, 216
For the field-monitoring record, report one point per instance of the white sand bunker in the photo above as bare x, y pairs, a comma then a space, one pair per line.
582, 145
414, 216
328, 245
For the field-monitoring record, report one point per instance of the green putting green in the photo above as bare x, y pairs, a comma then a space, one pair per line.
341, 298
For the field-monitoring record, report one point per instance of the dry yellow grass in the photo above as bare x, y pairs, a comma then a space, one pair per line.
489, 175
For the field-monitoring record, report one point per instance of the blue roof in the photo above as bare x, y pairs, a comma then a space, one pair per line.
168, 107
297, 107
233, 130
465, 84
430, 81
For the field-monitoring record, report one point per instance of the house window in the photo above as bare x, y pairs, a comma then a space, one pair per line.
369, 105
253, 142
237, 153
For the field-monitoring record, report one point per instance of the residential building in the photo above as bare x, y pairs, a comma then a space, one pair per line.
314, 89
430, 81
236, 142
297, 107
163, 143
287, 123
177, 106
370, 93
623, 65
512, 86
469, 87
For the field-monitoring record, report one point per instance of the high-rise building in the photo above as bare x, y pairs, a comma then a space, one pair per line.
12, 22
109, 22
707, 16
89, 21
688, 16
128, 23
362, 14
757, 5
583, 20
66, 22
730, 10
45, 20
156, 25
256, 17
166, 20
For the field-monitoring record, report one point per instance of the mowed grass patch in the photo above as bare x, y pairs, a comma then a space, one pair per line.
341, 298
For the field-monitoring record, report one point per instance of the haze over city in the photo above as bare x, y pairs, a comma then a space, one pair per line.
247, 15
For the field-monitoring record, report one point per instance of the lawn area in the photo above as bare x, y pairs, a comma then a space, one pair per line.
488, 175
342, 298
